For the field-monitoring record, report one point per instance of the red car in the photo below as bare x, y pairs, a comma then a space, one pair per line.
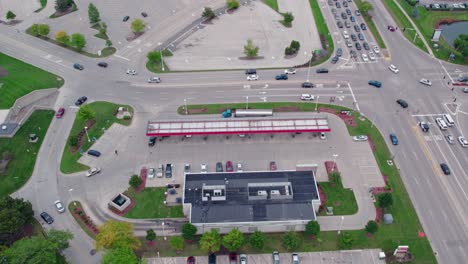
273, 166
232, 258
191, 260
60, 112
229, 167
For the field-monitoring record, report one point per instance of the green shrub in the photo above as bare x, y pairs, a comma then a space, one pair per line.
73, 141
232, 4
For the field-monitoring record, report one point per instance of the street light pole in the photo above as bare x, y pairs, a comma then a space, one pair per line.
316, 103
86, 130
164, 233
71, 198
334, 161
160, 52
247, 102
186, 110
341, 224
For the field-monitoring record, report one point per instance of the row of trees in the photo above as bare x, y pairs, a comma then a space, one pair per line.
75, 40
63, 5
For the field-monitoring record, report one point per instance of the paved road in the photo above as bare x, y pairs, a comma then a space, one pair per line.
439, 200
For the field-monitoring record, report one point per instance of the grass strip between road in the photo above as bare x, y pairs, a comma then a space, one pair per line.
272, 3
323, 31
104, 119
406, 227
149, 203
18, 79
71, 210
23, 154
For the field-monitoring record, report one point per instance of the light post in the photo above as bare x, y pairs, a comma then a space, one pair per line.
164, 233
186, 110
316, 103
247, 102
160, 52
308, 69
71, 198
341, 224
87, 135
334, 161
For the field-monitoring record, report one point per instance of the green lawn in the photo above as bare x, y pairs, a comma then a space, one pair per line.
23, 153
43, 5
149, 204
322, 29
372, 28
71, 209
404, 230
272, 3
341, 199
156, 67
104, 119
21, 79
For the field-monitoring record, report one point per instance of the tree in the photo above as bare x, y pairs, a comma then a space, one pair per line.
93, 14
250, 50
232, 4
415, 12
177, 243
63, 5
257, 240
86, 113
335, 177
188, 231
78, 41
291, 241
154, 56
34, 29
10, 15
43, 29
295, 45
385, 200
345, 241
312, 228
14, 214
208, 13
288, 18
102, 28
108, 43
62, 37
233, 240
113, 235
138, 25
461, 44
135, 181
150, 235
73, 141
365, 7
60, 238
372, 227
120, 255
210, 241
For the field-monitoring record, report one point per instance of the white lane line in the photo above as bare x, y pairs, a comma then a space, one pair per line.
120, 57
354, 98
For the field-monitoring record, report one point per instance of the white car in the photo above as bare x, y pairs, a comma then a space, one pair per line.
239, 167
372, 56
425, 82
364, 57
376, 49
463, 141
154, 80
59, 206
345, 34
131, 72
307, 97
151, 173
393, 68
290, 71
360, 138
252, 77
203, 168
349, 44
450, 139
92, 172
323, 136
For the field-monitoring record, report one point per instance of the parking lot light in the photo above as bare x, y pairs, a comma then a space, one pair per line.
87, 135
164, 233
160, 52
186, 110
316, 103
341, 224
247, 102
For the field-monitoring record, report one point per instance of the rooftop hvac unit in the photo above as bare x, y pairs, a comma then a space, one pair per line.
262, 193
207, 194
275, 192
217, 193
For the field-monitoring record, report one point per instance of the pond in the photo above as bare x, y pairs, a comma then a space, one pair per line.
451, 32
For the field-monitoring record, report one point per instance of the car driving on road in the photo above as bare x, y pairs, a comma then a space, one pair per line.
402, 103
78, 66
281, 77
81, 100
375, 83
450, 139
307, 97
60, 112
131, 72
93, 171
252, 77
425, 82
463, 141
360, 138
307, 85
393, 68
154, 80
445, 168
321, 70
290, 71
394, 139
59, 206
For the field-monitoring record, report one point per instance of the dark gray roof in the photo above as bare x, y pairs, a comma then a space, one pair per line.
239, 208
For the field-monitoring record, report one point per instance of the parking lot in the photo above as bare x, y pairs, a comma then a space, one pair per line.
368, 256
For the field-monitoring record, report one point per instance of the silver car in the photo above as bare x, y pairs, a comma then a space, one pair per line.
59, 206
154, 80
243, 259
93, 171
360, 138
151, 173
450, 139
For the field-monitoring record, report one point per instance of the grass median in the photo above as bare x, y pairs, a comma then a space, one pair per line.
404, 230
322, 28
18, 78
149, 203
105, 117
22, 154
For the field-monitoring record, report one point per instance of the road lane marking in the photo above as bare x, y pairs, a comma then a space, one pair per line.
120, 57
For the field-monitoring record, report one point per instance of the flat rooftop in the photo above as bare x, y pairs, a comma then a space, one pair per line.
250, 196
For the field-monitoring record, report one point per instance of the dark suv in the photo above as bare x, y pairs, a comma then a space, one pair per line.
445, 168
402, 103
152, 141
250, 71
281, 77
322, 70
81, 100
219, 167
94, 153
169, 170
78, 66
47, 218
212, 259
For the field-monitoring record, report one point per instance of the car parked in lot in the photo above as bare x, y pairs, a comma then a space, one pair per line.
252, 77
376, 49
375, 83
353, 37
307, 97
93, 171
307, 85
339, 24
239, 167
360, 138
47, 218
358, 46
321, 70
353, 53
168, 170
191, 260
393, 68
360, 36
330, 2
59, 206
338, 5
154, 80
333, 10
465, 90
151, 173
356, 28
102, 64
352, 18
295, 258
339, 52
348, 11
334, 60
212, 258
152, 141
144, 14
345, 34
347, 24
229, 166
343, 15
323, 136
357, 13
349, 44
219, 166
273, 166
364, 57
78, 66
345, 4
402, 103
187, 168
372, 56
290, 71
281, 77
366, 46
94, 153
242, 259
394, 139
363, 26
425, 82
131, 72
450, 139
203, 168
232, 258
463, 141
81, 100
125, 18
275, 257
445, 168
60, 112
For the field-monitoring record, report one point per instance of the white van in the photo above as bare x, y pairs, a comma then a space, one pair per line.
441, 123
449, 120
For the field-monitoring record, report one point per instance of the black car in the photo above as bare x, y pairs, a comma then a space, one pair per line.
322, 70
366, 45
445, 168
352, 18
339, 52
353, 53
152, 141
358, 46
348, 11
81, 100
102, 64
307, 85
343, 15
353, 37
330, 2
94, 153
281, 77
402, 103
78, 66
339, 24
356, 27
334, 60
338, 5
212, 259
168, 170
345, 4
363, 26
47, 218
250, 71
219, 167
143, 14
375, 83
360, 36
126, 18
